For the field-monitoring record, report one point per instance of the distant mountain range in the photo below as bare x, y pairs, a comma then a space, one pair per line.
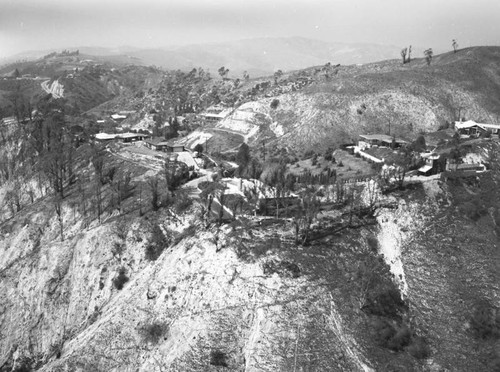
259, 57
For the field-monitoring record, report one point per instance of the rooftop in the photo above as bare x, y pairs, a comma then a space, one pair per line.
382, 138
472, 123
105, 136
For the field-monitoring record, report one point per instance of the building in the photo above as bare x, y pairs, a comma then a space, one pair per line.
470, 128
132, 137
216, 113
171, 146
124, 137
104, 137
431, 164
369, 140
157, 144
118, 118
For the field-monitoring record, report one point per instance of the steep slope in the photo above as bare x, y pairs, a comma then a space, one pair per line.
243, 297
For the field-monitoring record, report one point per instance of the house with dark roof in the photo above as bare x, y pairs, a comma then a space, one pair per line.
369, 140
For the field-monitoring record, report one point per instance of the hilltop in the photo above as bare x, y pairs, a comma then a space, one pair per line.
338, 103
259, 56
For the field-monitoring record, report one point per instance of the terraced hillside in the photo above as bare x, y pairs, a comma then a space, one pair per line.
341, 102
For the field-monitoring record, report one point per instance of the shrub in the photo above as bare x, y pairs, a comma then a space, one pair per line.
121, 279
419, 348
400, 339
118, 248
154, 332
182, 201
340, 164
156, 245
473, 209
372, 243
218, 358
485, 321
275, 103
308, 154
383, 331
385, 301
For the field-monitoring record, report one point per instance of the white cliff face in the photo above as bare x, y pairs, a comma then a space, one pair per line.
397, 227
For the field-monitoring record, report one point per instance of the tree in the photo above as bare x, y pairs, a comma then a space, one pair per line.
246, 76
305, 215
454, 44
223, 72
428, 56
243, 157
274, 176
58, 206
277, 75
419, 145
155, 192
275, 103
403, 54
17, 74
174, 174
402, 164
408, 60
198, 148
122, 189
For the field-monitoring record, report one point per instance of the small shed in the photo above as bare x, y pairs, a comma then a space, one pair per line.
431, 165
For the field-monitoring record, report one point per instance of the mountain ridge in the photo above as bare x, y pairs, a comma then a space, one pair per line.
258, 56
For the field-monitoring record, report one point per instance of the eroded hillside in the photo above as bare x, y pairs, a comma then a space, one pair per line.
244, 296
341, 102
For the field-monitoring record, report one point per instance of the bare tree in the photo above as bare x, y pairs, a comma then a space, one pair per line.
122, 189
274, 177
277, 75
305, 215
155, 192
428, 56
58, 206
403, 54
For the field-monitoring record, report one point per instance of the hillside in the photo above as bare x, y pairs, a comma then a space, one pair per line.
118, 257
86, 80
243, 296
340, 102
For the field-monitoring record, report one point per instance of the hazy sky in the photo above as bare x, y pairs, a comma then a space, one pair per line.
47, 24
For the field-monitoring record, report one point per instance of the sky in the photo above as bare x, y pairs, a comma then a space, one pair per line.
57, 24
